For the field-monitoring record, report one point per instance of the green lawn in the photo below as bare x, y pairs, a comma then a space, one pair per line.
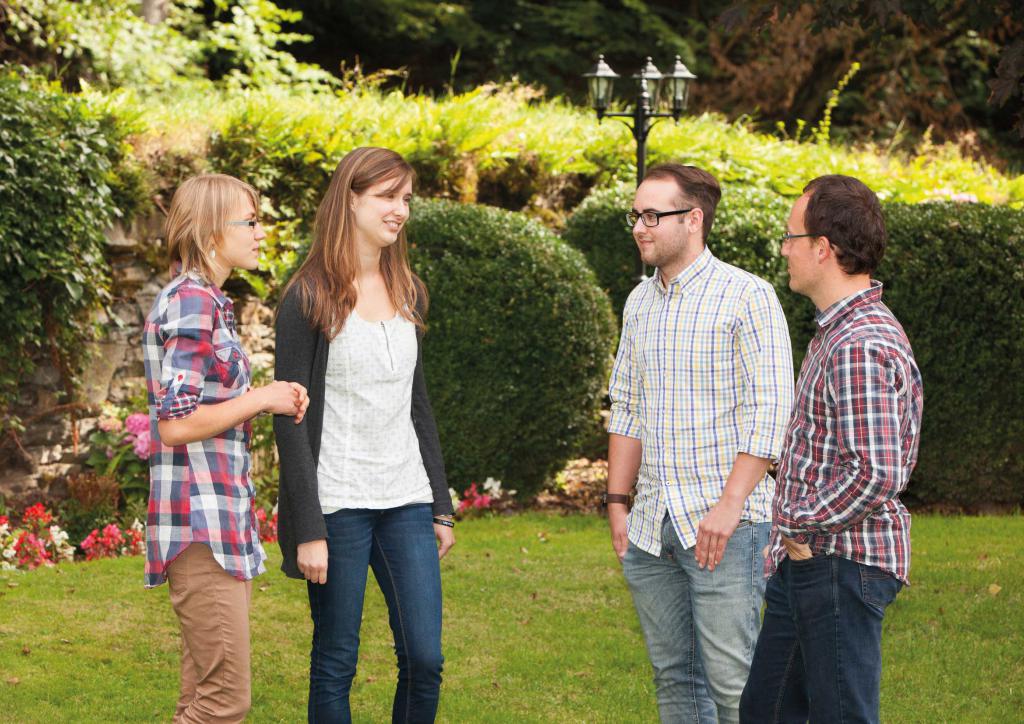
538, 627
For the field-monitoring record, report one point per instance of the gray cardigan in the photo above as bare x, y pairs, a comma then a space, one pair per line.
301, 356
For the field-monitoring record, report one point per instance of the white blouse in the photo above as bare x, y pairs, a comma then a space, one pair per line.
369, 452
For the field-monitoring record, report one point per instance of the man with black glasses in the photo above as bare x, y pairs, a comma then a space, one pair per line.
701, 392
840, 546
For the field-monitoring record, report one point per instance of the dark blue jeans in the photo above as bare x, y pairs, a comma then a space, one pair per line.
819, 655
398, 544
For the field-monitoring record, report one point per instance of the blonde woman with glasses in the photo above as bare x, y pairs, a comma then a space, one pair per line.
362, 478
202, 535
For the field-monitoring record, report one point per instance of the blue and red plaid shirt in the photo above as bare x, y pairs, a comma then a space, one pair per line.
199, 492
852, 440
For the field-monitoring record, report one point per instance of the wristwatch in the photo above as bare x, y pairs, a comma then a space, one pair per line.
614, 498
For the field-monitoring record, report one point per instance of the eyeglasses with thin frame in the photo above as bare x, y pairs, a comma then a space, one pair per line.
251, 223
652, 218
786, 237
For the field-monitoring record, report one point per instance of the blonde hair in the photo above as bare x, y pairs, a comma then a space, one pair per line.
325, 282
195, 222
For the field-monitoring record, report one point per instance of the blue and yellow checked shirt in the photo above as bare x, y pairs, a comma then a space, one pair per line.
704, 372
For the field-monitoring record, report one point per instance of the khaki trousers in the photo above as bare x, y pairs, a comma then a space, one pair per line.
213, 608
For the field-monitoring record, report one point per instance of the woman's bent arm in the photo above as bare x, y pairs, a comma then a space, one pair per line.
210, 420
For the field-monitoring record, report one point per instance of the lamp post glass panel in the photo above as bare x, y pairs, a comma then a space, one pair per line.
649, 85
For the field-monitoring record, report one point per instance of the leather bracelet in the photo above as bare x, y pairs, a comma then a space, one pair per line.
445, 522
614, 498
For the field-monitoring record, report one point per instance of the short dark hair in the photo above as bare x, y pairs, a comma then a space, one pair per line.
698, 187
848, 213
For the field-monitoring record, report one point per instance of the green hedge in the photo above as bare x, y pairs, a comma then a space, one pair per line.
519, 342
953, 275
61, 185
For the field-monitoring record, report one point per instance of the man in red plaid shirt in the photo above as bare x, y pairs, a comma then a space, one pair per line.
840, 545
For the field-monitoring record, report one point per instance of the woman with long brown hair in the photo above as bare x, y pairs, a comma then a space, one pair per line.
362, 477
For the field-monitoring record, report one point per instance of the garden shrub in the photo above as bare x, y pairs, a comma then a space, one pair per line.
953, 275
59, 166
518, 346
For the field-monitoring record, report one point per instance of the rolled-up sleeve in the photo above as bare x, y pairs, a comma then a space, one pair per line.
766, 361
186, 331
624, 389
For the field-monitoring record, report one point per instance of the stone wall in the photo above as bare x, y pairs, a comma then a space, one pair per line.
114, 370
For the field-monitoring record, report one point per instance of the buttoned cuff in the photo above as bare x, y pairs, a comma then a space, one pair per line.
175, 407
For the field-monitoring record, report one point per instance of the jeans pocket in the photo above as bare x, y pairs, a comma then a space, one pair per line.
877, 587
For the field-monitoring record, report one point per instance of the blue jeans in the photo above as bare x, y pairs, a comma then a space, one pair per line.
399, 545
700, 626
819, 656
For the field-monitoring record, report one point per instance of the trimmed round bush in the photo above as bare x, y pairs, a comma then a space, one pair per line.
518, 346
748, 223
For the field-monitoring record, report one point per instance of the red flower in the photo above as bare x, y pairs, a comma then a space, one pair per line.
267, 528
471, 498
108, 544
37, 514
30, 552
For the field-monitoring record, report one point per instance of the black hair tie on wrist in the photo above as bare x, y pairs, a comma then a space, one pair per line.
445, 522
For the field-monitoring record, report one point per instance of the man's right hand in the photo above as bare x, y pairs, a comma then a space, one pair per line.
312, 560
617, 523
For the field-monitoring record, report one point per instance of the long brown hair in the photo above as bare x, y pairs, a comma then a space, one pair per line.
325, 282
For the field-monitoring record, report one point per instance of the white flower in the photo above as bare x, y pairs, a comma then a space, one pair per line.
455, 497
492, 487
62, 550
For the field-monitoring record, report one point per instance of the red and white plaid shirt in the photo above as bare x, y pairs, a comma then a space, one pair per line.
199, 492
852, 440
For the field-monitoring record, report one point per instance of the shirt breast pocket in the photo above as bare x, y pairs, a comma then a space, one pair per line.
230, 365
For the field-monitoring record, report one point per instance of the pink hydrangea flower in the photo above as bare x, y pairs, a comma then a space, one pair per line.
141, 445
110, 424
137, 423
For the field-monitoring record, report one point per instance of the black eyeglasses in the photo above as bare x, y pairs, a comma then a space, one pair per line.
251, 223
651, 218
786, 237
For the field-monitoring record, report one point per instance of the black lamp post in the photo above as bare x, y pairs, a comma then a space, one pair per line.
600, 81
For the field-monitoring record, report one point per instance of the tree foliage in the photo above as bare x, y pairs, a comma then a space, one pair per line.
467, 43
927, 66
929, 62
236, 42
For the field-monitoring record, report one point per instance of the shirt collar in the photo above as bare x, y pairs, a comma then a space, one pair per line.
219, 296
687, 275
846, 305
